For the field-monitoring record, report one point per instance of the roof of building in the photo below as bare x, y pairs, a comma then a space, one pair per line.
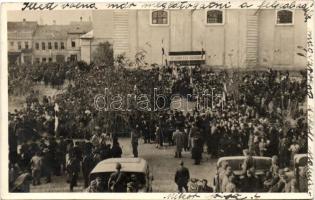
88, 35
51, 32
61, 31
22, 26
79, 27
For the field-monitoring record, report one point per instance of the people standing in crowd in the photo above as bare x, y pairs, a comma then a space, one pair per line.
116, 150
36, 167
135, 134
253, 119
47, 164
87, 166
73, 169
197, 147
179, 139
182, 177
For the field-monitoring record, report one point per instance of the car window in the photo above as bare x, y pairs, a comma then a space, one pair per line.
302, 161
262, 164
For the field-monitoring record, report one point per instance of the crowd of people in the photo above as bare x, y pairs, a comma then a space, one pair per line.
258, 111
23, 77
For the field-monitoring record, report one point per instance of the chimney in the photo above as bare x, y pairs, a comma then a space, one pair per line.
54, 22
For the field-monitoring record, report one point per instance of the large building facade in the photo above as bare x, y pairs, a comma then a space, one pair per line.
20, 41
29, 42
229, 38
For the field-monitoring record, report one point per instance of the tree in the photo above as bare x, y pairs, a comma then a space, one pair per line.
104, 54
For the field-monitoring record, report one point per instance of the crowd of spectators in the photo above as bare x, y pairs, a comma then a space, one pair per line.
259, 111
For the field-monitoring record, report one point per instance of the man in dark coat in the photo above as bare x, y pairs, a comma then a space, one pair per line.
73, 169
135, 134
182, 177
116, 150
87, 166
47, 164
117, 180
197, 148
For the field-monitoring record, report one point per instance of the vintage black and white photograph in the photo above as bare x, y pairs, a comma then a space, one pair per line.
211, 100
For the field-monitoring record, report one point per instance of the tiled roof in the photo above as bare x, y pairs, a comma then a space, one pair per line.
22, 26
80, 27
48, 31
51, 32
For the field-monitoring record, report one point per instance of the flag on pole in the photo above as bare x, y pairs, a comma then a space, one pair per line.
224, 92
163, 52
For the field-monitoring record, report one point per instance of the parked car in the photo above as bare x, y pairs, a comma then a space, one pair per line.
129, 166
261, 165
299, 172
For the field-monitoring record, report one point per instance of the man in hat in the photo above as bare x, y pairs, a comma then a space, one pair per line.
116, 181
135, 134
179, 139
182, 177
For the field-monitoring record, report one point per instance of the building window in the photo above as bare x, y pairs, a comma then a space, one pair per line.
56, 45
37, 46
19, 45
72, 44
12, 44
49, 59
284, 17
26, 45
159, 17
214, 17
62, 45
37, 60
44, 60
43, 46
49, 45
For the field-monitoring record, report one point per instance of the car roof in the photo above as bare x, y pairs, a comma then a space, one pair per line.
301, 159
261, 163
226, 158
127, 165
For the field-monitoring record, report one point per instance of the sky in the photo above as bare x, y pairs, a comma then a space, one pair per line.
47, 17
